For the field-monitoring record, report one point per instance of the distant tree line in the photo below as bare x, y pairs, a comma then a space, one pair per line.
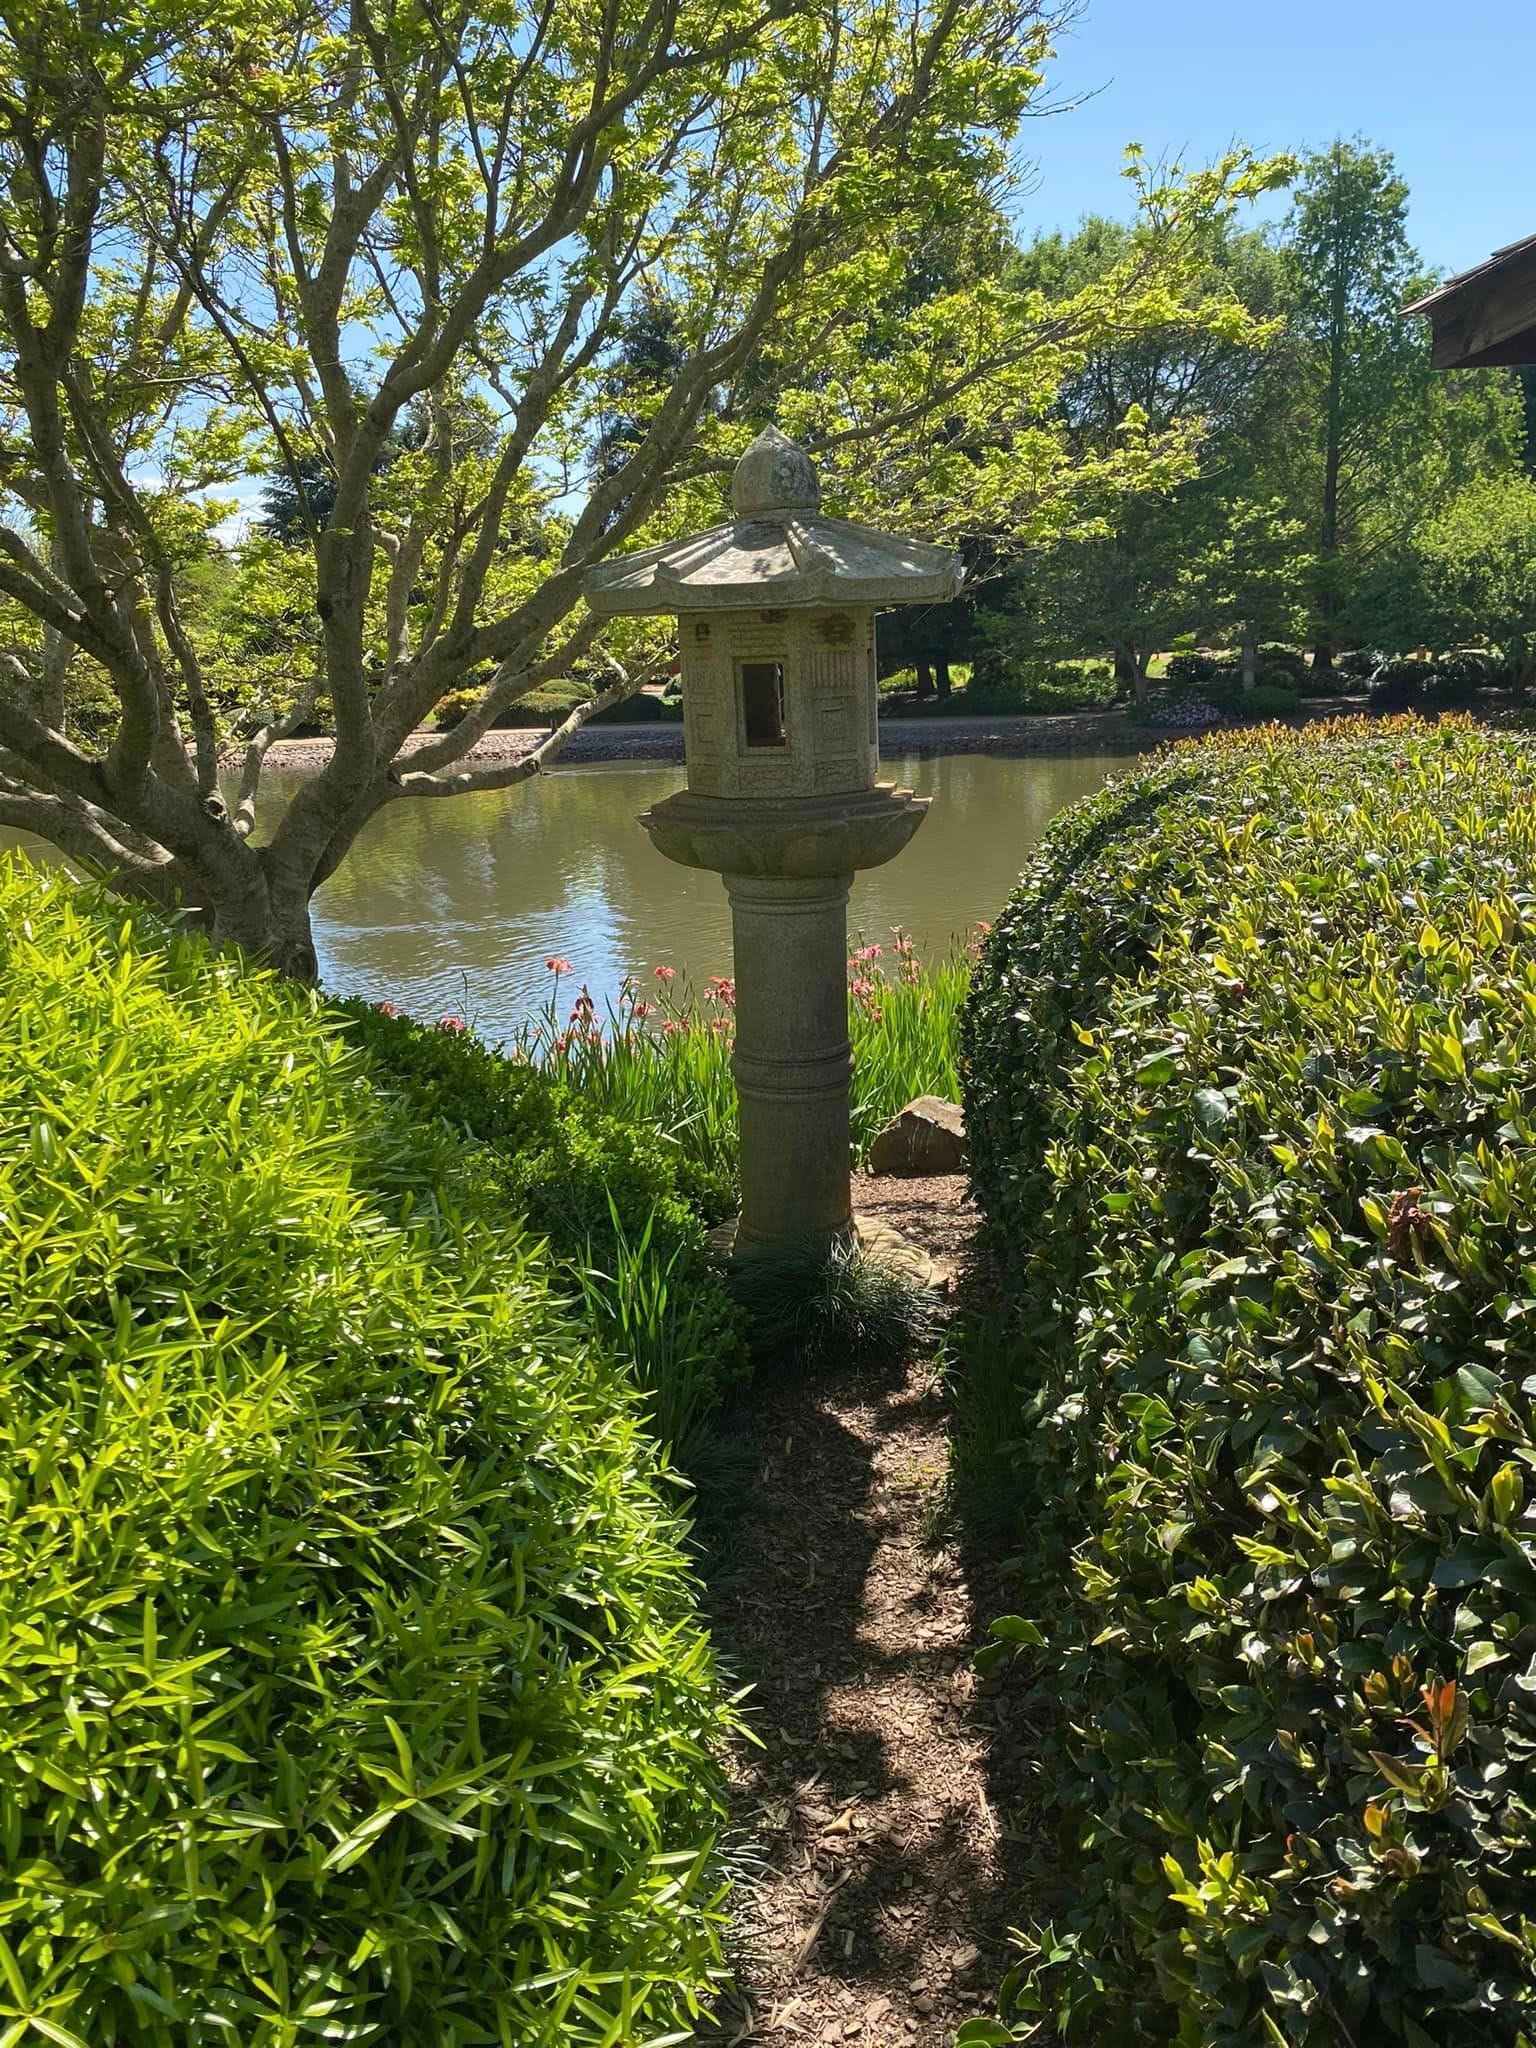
1345, 493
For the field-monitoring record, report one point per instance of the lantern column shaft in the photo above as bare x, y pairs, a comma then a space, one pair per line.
793, 1061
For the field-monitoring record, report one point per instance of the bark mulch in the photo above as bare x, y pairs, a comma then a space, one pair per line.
892, 1800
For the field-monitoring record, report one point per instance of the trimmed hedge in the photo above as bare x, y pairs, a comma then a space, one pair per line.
1270, 700
353, 1684
1251, 1084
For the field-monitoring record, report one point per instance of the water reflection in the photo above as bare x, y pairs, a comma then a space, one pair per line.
456, 904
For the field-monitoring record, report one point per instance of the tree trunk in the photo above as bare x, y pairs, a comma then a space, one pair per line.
246, 903
1140, 660
281, 939
941, 670
924, 682
1250, 660
1333, 447
1126, 670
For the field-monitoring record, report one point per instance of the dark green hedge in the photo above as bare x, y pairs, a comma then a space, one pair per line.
1251, 1082
353, 1685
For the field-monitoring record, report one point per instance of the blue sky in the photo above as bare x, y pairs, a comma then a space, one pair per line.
1449, 88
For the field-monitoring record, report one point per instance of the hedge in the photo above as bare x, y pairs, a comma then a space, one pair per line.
353, 1684
1251, 1085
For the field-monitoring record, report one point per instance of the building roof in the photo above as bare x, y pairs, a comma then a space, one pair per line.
779, 549
1487, 315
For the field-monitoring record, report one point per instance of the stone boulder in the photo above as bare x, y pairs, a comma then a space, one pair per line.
927, 1137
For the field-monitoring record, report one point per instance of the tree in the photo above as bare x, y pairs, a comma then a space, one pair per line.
248, 238
1195, 393
1379, 438
1477, 572
1250, 574
927, 639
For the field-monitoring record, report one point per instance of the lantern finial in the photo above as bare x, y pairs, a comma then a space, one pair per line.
774, 476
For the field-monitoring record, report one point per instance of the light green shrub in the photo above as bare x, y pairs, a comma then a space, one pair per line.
353, 1686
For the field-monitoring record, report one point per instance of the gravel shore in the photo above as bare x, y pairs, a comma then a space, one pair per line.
1108, 732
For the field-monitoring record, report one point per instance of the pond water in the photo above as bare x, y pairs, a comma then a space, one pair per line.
454, 905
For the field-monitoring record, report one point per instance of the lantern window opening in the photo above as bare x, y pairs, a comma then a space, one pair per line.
761, 688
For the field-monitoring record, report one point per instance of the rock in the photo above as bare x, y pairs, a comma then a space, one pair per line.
927, 1137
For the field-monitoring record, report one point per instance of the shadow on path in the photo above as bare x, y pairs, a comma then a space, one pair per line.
885, 1801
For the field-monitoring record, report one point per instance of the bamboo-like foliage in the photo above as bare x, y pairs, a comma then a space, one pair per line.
353, 1688
624, 1206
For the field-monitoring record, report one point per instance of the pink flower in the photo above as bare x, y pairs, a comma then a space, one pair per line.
863, 987
720, 989
665, 974
865, 953
671, 1028
644, 1010
387, 1009
557, 965
451, 1024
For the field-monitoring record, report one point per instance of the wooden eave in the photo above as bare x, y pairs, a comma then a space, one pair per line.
1487, 315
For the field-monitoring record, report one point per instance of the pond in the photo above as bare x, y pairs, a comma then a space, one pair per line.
455, 905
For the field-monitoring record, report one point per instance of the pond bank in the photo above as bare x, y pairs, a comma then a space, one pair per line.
1096, 732
1016, 735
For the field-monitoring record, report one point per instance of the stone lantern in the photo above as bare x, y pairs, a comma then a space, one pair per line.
776, 627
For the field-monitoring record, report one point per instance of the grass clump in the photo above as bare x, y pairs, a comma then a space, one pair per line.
354, 1688
1252, 1106
625, 1207
814, 1307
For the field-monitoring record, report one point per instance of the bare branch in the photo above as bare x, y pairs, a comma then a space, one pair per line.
506, 774
258, 747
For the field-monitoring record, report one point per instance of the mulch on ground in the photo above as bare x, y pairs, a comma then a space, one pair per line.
892, 1801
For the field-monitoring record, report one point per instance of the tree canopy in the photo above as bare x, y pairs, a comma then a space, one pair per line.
1321, 448
399, 261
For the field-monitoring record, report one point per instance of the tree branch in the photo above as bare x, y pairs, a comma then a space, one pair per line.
506, 774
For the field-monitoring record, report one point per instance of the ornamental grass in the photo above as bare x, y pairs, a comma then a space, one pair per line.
661, 1057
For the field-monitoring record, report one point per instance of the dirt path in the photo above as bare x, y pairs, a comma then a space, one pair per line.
890, 1802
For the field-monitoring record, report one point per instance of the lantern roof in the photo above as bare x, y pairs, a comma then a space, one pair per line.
778, 549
